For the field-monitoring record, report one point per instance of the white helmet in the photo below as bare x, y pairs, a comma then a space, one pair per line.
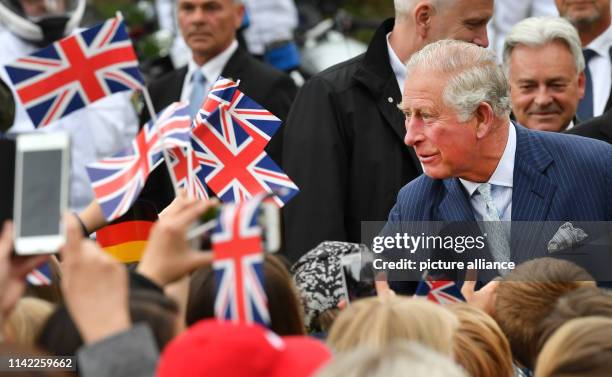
41, 22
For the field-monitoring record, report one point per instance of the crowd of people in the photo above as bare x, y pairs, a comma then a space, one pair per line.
429, 125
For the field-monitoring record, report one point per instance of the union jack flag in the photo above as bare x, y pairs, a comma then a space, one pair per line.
174, 123
40, 276
194, 183
238, 264
439, 291
229, 142
76, 71
117, 180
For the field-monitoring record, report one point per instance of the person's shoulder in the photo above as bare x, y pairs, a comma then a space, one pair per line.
571, 142
419, 188
339, 77
168, 78
579, 150
593, 128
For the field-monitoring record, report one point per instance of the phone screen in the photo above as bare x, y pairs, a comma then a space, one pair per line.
358, 278
41, 193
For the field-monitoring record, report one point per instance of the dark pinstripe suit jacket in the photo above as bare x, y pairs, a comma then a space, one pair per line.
557, 177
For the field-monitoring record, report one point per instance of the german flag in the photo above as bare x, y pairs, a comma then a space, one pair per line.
126, 237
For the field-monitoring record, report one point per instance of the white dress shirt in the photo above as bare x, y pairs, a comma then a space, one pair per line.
501, 182
211, 70
96, 131
398, 67
601, 70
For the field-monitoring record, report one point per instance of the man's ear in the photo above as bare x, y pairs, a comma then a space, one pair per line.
581, 84
422, 14
485, 118
239, 15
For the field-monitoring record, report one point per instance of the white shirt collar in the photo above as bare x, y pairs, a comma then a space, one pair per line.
602, 43
504, 173
398, 67
214, 67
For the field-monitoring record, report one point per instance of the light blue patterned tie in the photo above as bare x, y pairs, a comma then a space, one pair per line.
497, 235
197, 92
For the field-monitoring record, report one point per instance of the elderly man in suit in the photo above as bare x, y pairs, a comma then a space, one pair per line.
480, 166
545, 67
343, 139
209, 29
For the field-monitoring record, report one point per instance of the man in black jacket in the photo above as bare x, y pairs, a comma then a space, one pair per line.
343, 141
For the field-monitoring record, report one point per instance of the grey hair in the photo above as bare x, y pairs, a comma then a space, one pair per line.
475, 76
403, 7
539, 31
391, 361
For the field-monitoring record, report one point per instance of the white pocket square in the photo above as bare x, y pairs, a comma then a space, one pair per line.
567, 237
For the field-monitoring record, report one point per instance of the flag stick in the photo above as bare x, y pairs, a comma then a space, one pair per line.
153, 116
191, 182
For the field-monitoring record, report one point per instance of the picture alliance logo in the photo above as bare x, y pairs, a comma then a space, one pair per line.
412, 244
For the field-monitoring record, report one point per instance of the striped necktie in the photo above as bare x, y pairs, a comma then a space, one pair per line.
497, 236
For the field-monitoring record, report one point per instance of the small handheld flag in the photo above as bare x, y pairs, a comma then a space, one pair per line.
438, 290
238, 264
229, 137
76, 71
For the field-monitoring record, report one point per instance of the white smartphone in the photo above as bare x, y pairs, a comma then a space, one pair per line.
42, 165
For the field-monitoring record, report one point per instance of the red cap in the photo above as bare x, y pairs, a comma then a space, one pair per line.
212, 348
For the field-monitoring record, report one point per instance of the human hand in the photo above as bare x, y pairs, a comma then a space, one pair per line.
168, 255
13, 271
95, 286
484, 298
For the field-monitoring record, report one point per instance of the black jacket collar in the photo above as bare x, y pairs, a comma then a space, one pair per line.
375, 69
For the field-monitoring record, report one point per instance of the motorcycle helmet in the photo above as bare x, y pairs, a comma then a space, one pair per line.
41, 22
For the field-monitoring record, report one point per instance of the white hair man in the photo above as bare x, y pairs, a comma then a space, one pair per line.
343, 139
480, 166
545, 67
593, 21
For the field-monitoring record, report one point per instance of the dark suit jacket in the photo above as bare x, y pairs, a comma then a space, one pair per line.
597, 128
344, 149
557, 178
272, 89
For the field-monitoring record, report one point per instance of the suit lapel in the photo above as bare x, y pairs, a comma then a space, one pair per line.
532, 191
532, 195
454, 205
233, 67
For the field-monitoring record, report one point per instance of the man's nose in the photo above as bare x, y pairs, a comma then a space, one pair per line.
482, 39
413, 131
543, 97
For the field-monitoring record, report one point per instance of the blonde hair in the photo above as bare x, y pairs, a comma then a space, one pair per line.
27, 320
392, 361
480, 346
378, 321
580, 348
